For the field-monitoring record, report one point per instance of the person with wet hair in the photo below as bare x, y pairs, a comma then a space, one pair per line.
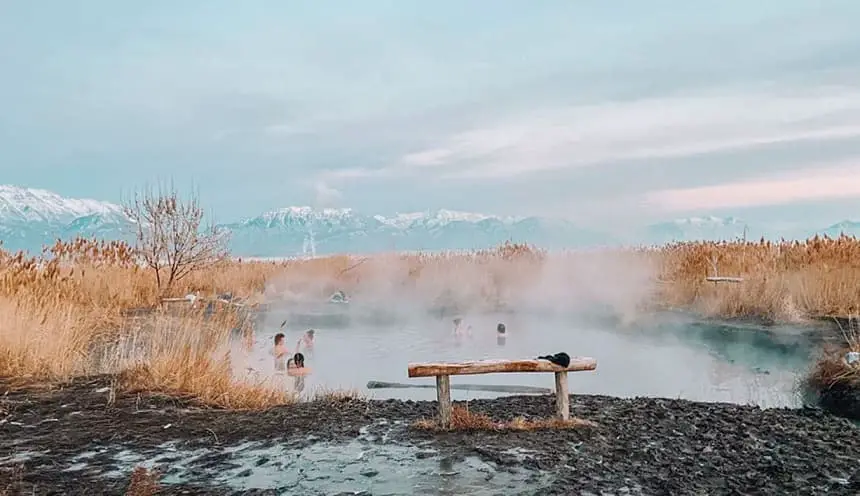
280, 352
501, 337
296, 368
296, 362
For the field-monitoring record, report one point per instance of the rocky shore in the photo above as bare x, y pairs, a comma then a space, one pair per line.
83, 439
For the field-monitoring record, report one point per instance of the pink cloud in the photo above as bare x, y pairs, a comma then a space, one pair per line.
821, 183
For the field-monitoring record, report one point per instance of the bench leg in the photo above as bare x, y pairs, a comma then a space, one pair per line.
443, 395
562, 398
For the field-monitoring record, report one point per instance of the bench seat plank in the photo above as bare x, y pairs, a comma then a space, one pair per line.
577, 364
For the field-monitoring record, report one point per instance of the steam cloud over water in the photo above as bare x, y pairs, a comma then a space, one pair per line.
595, 304
559, 283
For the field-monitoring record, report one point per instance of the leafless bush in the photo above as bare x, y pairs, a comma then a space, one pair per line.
171, 238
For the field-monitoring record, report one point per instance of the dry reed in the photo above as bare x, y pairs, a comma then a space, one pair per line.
463, 419
63, 314
832, 370
785, 281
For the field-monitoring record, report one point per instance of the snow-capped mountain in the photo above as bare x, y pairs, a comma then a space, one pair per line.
699, 228
26, 205
305, 230
32, 218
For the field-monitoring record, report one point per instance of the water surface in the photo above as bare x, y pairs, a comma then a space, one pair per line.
665, 357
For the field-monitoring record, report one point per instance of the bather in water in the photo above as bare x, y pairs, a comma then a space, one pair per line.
296, 368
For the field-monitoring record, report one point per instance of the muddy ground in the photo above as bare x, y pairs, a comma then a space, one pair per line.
639, 446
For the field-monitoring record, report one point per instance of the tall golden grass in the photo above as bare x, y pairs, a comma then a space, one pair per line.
63, 312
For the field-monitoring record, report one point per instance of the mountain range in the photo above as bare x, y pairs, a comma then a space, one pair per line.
31, 218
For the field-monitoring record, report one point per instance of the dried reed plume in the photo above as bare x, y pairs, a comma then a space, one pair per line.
463, 419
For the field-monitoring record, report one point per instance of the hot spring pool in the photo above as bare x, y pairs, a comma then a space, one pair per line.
665, 356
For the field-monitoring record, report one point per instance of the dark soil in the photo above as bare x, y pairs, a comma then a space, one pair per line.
640, 446
841, 399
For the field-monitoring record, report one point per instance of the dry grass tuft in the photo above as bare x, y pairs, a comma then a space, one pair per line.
206, 380
463, 419
832, 369
143, 482
327, 395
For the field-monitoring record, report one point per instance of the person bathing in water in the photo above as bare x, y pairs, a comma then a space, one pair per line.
500, 334
461, 331
296, 368
280, 352
307, 340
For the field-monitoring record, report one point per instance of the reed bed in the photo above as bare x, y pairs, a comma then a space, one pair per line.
63, 312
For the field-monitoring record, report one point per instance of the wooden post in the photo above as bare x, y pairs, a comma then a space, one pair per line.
443, 395
562, 400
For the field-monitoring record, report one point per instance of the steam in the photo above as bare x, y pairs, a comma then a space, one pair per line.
401, 310
406, 288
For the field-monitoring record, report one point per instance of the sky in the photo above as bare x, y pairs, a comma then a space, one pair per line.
599, 111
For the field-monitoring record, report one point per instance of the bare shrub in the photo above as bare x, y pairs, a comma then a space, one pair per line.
170, 236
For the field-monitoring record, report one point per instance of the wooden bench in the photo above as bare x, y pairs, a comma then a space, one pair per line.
444, 371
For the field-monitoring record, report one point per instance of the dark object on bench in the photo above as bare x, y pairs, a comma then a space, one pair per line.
562, 359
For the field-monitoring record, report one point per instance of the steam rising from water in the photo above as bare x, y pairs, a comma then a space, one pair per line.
589, 304
616, 283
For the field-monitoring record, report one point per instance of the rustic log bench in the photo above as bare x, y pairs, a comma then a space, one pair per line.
444, 371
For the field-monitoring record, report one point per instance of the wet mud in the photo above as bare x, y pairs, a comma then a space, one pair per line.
84, 439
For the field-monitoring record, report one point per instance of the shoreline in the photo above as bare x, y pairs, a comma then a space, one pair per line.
77, 434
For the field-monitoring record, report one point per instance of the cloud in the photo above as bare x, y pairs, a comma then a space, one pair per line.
325, 195
586, 135
819, 183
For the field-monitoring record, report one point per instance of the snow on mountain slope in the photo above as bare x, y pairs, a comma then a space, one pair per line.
30, 218
698, 228
847, 227
26, 205
301, 229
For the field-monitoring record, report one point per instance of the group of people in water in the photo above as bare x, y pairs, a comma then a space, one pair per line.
293, 365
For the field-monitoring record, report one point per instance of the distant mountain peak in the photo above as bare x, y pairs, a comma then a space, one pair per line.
304, 215
845, 224
710, 219
25, 205
32, 217
440, 217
